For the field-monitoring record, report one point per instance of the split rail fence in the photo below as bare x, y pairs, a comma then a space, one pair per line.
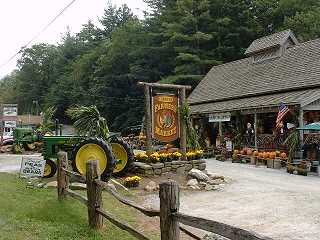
169, 206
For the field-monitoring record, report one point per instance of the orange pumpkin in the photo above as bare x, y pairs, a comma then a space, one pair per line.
266, 155
261, 155
283, 155
236, 151
249, 151
256, 153
272, 155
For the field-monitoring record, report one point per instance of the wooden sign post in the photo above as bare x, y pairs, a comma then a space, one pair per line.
180, 125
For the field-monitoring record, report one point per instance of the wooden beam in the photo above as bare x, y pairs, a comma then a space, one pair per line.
221, 229
148, 119
123, 225
145, 211
62, 177
255, 125
77, 196
169, 203
162, 85
94, 194
183, 130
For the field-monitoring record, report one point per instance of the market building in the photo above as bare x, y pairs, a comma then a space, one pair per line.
240, 99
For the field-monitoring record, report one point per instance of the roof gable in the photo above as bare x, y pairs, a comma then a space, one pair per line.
297, 68
275, 40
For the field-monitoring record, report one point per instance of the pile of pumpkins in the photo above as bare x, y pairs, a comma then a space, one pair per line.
256, 153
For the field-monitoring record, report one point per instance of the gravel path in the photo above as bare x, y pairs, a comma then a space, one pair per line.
268, 201
271, 202
11, 163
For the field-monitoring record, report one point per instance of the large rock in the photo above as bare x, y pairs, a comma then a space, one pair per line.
181, 170
151, 187
157, 165
197, 174
215, 181
52, 184
193, 184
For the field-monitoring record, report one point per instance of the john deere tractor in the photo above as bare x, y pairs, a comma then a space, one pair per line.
114, 157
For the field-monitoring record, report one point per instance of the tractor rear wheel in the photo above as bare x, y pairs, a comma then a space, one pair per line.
93, 149
123, 155
50, 169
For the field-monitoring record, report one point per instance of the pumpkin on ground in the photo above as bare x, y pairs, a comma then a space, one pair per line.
249, 151
272, 155
256, 153
266, 155
261, 155
283, 155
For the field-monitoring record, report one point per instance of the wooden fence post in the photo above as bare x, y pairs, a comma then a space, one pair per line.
94, 194
169, 203
62, 177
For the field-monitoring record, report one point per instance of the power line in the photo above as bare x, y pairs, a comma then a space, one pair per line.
38, 34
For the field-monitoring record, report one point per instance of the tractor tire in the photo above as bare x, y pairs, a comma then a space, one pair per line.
121, 151
50, 169
93, 149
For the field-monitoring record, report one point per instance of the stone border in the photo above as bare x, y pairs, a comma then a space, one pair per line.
179, 167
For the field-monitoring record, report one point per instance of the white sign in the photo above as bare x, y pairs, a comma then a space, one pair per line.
220, 117
32, 166
10, 111
229, 146
10, 124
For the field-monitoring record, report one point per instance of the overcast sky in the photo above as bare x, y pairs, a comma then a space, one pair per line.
21, 20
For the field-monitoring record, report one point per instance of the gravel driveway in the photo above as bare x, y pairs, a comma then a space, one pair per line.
271, 202
11, 163
268, 201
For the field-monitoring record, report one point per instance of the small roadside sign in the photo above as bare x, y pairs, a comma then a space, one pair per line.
32, 166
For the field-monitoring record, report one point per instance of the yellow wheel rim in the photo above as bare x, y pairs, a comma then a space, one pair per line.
88, 152
47, 170
120, 155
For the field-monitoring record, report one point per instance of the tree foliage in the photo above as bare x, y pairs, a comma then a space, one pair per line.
178, 41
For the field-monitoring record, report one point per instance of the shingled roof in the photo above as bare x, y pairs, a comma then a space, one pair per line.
271, 41
298, 68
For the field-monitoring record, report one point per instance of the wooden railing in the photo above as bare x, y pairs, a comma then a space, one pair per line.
169, 206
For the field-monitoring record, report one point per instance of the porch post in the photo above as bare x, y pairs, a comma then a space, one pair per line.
255, 130
220, 132
301, 125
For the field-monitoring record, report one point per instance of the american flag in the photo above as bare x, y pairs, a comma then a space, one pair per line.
283, 110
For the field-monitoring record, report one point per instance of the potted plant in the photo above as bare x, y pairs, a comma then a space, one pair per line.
176, 156
131, 182
154, 157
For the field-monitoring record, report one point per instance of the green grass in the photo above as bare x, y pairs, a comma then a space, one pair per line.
37, 214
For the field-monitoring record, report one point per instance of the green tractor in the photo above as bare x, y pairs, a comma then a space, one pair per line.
114, 158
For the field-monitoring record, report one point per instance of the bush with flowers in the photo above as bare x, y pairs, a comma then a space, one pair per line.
154, 157
141, 157
176, 156
132, 181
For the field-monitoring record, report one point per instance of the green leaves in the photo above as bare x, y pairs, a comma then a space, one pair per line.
89, 122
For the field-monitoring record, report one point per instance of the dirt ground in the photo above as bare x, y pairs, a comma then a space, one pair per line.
271, 202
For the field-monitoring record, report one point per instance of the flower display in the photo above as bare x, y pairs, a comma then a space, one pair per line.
132, 181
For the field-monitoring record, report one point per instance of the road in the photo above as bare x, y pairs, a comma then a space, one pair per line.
11, 163
270, 202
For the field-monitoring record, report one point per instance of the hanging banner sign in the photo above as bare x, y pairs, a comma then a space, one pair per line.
165, 118
220, 117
